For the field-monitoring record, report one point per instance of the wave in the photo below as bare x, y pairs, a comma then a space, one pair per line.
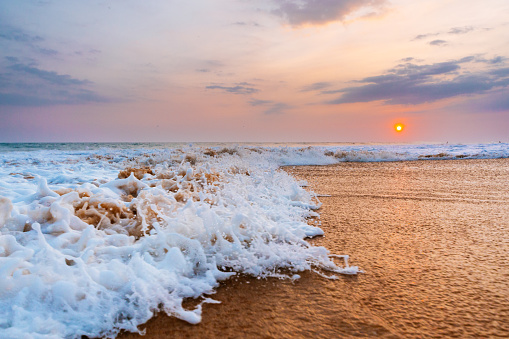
97, 242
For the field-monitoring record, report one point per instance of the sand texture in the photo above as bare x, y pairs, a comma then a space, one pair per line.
431, 236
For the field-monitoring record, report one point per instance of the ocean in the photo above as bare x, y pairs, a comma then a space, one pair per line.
96, 238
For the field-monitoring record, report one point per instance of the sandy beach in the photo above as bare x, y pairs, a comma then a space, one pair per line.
254, 169
431, 237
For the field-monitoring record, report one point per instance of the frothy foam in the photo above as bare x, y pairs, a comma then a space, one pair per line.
94, 243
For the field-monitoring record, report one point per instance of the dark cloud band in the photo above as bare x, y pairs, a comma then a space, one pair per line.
413, 84
238, 89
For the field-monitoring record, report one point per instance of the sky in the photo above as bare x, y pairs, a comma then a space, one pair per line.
260, 71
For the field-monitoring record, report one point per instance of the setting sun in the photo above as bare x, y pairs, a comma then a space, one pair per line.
399, 127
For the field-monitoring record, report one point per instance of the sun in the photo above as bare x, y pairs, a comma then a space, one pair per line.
399, 127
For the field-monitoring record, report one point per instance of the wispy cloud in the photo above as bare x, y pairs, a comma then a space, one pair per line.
319, 12
424, 36
18, 36
256, 102
438, 42
493, 61
461, 30
453, 31
207, 66
245, 23
88, 53
407, 59
277, 108
240, 88
271, 107
414, 84
317, 86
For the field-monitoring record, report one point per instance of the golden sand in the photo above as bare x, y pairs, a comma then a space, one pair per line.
431, 236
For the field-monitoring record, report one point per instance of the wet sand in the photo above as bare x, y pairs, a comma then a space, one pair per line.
431, 236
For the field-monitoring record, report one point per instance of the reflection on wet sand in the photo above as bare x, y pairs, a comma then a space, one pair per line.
431, 236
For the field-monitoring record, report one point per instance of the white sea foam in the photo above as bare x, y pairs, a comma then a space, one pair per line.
95, 241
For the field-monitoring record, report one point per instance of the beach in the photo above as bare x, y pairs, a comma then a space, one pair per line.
250, 241
431, 237
254, 169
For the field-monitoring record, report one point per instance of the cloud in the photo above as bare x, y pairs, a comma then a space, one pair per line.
493, 61
319, 12
11, 59
316, 86
453, 31
407, 59
256, 102
244, 23
240, 88
63, 98
413, 84
88, 53
272, 106
479, 59
461, 30
15, 99
438, 42
214, 63
46, 51
207, 66
18, 35
501, 72
277, 108
28, 85
52, 77
424, 36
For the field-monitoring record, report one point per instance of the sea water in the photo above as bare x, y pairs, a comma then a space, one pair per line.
96, 238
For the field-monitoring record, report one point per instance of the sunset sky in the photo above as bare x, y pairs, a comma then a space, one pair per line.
267, 70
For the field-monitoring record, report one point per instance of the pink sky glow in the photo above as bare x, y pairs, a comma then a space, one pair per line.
270, 70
